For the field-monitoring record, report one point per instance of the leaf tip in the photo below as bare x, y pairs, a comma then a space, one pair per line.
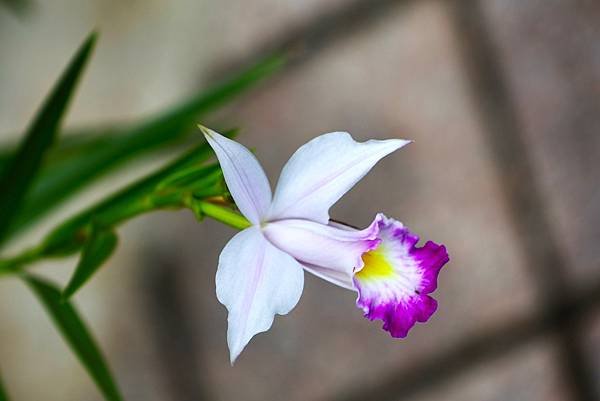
93, 36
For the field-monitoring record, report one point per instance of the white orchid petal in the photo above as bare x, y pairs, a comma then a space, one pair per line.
339, 278
255, 281
243, 174
321, 171
322, 245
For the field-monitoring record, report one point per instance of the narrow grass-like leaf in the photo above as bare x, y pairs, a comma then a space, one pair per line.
65, 147
97, 249
6, 155
180, 184
23, 167
71, 326
142, 197
66, 176
3, 393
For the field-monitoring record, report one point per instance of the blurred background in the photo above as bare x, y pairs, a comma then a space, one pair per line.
502, 98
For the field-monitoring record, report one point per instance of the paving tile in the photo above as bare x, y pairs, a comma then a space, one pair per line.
550, 51
525, 374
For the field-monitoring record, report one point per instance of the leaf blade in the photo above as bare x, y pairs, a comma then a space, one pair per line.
96, 251
178, 184
139, 197
57, 182
3, 393
76, 334
22, 169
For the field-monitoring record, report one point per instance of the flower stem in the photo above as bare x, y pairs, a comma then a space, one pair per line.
221, 213
16, 263
215, 207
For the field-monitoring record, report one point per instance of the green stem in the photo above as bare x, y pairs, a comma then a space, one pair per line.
221, 213
16, 263
201, 208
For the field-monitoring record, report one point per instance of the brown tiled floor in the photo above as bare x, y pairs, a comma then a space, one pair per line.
524, 374
556, 91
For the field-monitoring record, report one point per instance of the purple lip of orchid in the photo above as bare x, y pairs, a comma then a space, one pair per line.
260, 272
397, 277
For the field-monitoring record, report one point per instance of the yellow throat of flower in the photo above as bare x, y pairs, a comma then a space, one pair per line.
376, 266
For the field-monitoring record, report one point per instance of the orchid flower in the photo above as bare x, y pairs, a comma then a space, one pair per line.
261, 269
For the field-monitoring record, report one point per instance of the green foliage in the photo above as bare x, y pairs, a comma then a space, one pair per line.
97, 250
71, 326
24, 165
165, 189
78, 161
181, 183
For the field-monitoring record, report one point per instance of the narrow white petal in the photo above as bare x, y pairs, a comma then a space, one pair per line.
255, 281
322, 171
322, 245
243, 174
337, 277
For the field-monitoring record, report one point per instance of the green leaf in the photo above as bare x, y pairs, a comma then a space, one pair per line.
96, 251
106, 149
141, 197
180, 184
69, 323
23, 167
3, 394
66, 147
6, 155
